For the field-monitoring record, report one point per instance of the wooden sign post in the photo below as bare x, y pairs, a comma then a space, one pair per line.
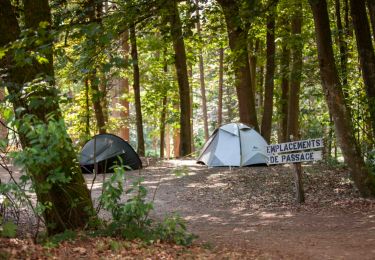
295, 153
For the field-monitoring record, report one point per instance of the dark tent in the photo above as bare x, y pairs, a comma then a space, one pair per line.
108, 149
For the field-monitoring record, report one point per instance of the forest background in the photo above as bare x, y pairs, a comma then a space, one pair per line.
164, 74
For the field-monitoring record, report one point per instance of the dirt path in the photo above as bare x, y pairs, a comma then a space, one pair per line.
253, 209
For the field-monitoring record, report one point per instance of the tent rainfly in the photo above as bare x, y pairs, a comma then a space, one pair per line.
105, 149
234, 144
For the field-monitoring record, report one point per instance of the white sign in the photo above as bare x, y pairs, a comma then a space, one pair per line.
295, 146
295, 157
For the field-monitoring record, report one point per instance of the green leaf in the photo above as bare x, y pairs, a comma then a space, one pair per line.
9, 229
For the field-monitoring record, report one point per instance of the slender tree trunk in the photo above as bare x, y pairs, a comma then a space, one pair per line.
366, 52
96, 101
341, 115
295, 82
163, 115
162, 125
261, 88
190, 74
87, 108
3, 130
371, 9
137, 92
343, 48
253, 64
296, 72
269, 82
202, 81
284, 67
182, 77
124, 131
220, 91
238, 44
94, 16
167, 142
69, 203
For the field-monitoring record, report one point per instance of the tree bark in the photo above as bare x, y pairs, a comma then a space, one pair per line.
70, 205
94, 16
295, 82
238, 43
342, 47
137, 92
201, 77
341, 115
366, 53
371, 9
163, 114
182, 77
97, 96
220, 90
3, 129
284, 67
87, 108
269, 81
296, 72
124, 131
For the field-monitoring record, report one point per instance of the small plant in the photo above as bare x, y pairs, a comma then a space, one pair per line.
130, 219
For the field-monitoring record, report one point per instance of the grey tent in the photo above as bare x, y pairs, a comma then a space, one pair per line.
234, 144
108, 149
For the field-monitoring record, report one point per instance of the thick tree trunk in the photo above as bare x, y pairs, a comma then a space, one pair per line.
366, 52
182, 77
202, 81
137, 92
70, 205
238, 44
269, 81
124, 131
220, 90
371, 9
341, 115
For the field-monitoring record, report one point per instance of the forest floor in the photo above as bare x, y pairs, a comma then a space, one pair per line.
238, 213
253, 209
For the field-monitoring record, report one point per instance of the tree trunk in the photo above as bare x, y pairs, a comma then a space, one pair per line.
182, 77
296, 72
295, 82
70, 205
94, 16
137, 92
124, 131
3, 129
341, 115
201, 77
365, 52
96, 101
220, 91
269, 81
371, 9
163, 116
87, 108
342, 47
284, 67
253, 64
238, 44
